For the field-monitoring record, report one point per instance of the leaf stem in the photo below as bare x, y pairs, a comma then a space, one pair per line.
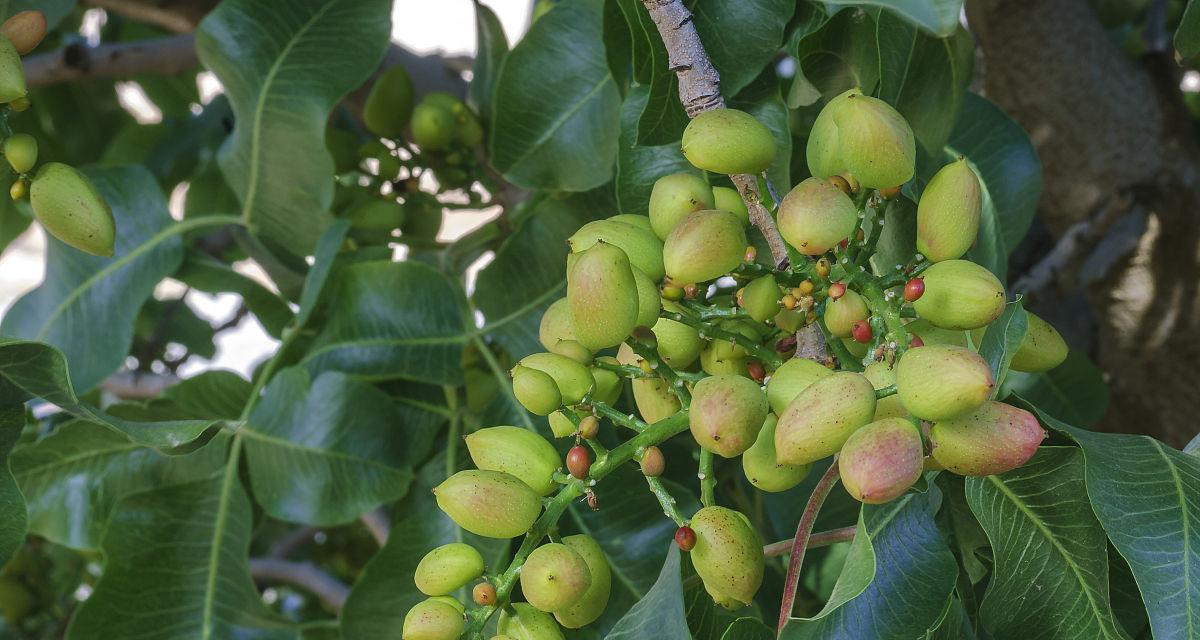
820, 539
800, 541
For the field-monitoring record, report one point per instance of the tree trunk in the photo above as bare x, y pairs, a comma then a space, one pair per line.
1117, 148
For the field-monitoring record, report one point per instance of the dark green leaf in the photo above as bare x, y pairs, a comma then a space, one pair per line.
923, 77
841, 55
659, 614
638, 167
385, 591
490, 48
1126, 599
1074, 391
14, 220
939, 17
1002, 339
911, 564
40, 371
13, 519
55, 10
557, 135
761, 99
323, 451
1051, 573
177, 568
1009, 171
526, 276
662, 118
393, 320
212, 394
318, 275
87, 304
741, 38
284, 68
73, 477
898, 239
204, 273
748, 629
1187, 36
1144, 494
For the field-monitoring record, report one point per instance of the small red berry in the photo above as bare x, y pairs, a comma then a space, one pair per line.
915, 341
837, 290
861, 330
578, 461
484, 594
685, 538
844, 243
913, 289
653, 462
757, 373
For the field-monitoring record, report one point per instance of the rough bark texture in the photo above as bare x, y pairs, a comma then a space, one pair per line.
1111, 132
700, 91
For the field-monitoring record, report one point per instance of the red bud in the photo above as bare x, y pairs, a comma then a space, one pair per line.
685, 538
913, 289
578, 461
757, 373
837, 290
861, 330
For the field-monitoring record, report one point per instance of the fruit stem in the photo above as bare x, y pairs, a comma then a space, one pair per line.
654, 435
708, 480
847, 359
705, 312
708, 331
820, 539
880, 307
800, 542
863, 255
626, 420
666, 500
889, 390
664, 370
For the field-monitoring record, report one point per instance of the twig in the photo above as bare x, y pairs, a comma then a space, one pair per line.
148, 13
159, 56
700, 91
377, 523
331, 592
821, 539
1072, 248
666, 500
290, 542
132, 385
800, 542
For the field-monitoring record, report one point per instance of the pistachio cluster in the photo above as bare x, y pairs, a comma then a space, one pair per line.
674, 302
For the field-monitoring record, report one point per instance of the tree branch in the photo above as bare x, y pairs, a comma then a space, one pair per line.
377, 523
822, 539
331, 592
700, 91
158, 56
148, 13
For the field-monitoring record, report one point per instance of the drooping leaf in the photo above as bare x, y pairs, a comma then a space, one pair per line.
557, 135
318, 275
1009, 171
924, 77
741, 38
40, 371
638, 167
204, 273
13, 518
72, 478
490, 48
284, 68
1144, 495
939, 17
1073, 392
1051, 574
841, 54
385, 591
1002, 339
392, 320
87, 304
322, 451
660, 613
177, 567
912, 564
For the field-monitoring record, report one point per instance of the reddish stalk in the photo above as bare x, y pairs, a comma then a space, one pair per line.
819, 539
801, 541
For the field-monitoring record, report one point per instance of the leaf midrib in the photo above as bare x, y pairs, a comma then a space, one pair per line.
1187, 551
1049, 535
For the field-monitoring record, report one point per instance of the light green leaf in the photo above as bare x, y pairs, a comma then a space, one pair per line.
72, 478
385, 591
87, 304
923, 77
490, 48
1051, 573
557, 135
176, 568
1002, 339
392, 320
939, 17
40, 371
323, 451
660, 613
284, 68
1144, 495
